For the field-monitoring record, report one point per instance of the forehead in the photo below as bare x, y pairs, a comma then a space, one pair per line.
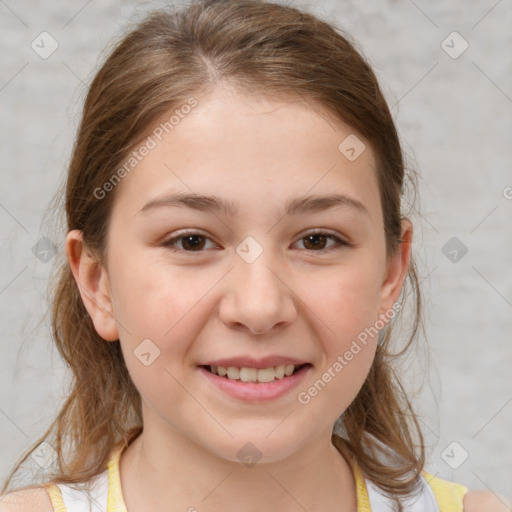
253, 151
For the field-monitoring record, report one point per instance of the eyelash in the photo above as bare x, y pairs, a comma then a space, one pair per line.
170, 243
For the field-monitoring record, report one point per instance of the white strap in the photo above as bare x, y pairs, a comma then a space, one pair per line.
424, 502
77, 498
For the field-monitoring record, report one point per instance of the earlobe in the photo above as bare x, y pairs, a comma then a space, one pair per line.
397, 268
93, 284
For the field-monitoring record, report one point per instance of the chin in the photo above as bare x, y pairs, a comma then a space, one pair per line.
258, 448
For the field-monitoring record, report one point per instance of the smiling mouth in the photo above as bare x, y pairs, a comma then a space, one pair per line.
262, 375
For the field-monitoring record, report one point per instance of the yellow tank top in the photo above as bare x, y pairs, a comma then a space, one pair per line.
437, 496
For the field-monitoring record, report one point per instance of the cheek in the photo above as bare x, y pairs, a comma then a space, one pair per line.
153, 297
340, 377
339, 384
347, 308
346, 300
163, 309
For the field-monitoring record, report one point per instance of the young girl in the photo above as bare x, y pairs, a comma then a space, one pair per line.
236, 254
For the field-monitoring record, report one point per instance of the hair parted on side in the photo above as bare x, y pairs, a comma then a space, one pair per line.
259, 48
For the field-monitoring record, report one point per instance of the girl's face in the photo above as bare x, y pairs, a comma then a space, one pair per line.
190, 283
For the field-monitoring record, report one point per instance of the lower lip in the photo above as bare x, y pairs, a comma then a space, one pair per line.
257, 391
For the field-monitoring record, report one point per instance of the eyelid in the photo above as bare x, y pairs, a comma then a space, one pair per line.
324, 231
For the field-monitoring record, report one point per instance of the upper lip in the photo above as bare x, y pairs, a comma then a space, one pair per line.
251, 362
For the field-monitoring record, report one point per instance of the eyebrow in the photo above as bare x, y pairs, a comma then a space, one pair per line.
297, 206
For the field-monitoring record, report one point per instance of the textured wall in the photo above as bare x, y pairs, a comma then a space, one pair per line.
453, 108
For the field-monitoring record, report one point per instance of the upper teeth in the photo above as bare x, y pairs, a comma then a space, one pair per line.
253, 374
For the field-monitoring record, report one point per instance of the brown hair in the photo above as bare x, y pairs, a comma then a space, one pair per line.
256, 47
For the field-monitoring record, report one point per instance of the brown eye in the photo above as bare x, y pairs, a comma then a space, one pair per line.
316, 242
193, 242
190, 242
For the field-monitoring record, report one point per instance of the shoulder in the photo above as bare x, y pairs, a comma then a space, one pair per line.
30, 499
478, 501
453, 496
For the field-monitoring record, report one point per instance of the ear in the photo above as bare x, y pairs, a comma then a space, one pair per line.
397, 268
93, 284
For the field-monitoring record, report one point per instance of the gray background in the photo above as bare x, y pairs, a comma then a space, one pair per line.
454, 116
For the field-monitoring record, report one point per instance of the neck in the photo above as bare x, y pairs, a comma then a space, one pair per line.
157, 471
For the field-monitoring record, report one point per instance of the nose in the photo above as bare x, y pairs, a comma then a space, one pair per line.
257, 297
